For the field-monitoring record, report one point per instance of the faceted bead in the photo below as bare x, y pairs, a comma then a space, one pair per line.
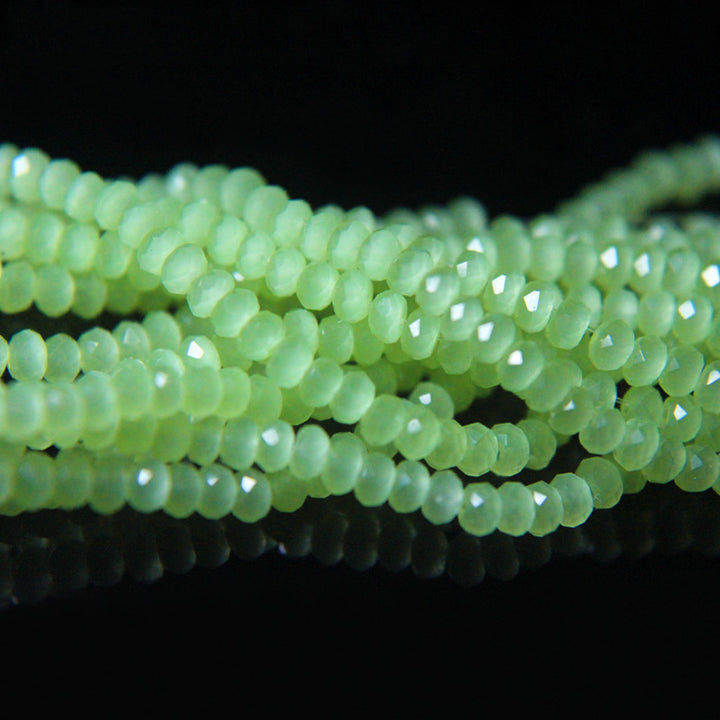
573, 414
591, 298
669, 460
377, 253
275, 446
547, 249
199, 351
611, 345
536, 303
542, 442
17, 287
387, 316
481, 509
473, 270
646, 362
481, 451
253, 497
707, 389
25, 173
552, 385
197, 218
265, 400
316, 285
576, 497
240, 443
615, 266
352, 296
63, 358
408, 271
173, 437
451, 446
344, 246
656, 313
548, 509
493, 337
207, 435
438, 291
309, 452
604, 432
55, 181
218, 493
581, 260
603, 479
262, 205
648, 270
182, 268
167, 370
261, 335
336, 339
288, 495
620, 304
503, 292
521, 366
638, 445
149, 487
344, 463
78, 247
73, 479
236, 186
461, 319
233, 312
419, 434
518, 508
318, 231
289, 363
567, 324
701, 469
207, 291
681, 272
107, 494
512, 243
513, 449
434, 398
321, 382
353, 398
113, 200
682, 371
411, 487
201, 391
28, 356
54, 290
419, 334
682, 418
42, 243
134, 388
642, 402
693, 319
444, 498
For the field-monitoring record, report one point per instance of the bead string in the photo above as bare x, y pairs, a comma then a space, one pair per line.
261, 315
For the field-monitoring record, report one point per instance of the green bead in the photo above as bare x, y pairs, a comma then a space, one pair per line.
387, 315
367, 348
353, 397
236, 186
17, 287
240, 443
132, 340
82, 196
701, 469
473, 270
90, 296
185, 490
682, 418
604, 432
547, 249
300, 324
321, 382
113, 200
65, 414
552, 386
451, 446
656, 313
669, 460
481, 509
344, 245
112, 257
316, 285
284, 271
254, 497
288, 495
419, 334
43, 239
682, 371
182, 268
444, 498
107, 494
513, 449
521, 366
167, 370
419, 435
261, 335
54, 290
548, 509
219, 492
28, 356
289, 363
173, 437
73, 478
101, 402
263, 205
196, 221
14, 230
611, 345
25, 173
638, 445
591, 298
482, 450
377, 253
149, 487
207, 291
648, 270
642, 402
225, 239
535, 305
615, 267
438, 291
646, 362
384, 420
693, 320
55, 181
201, 391
233, 312
408, 271
290, 223
681, 272
411, 487
461, 319
542, 443
317, 233
335, 339
344, 463
309, 452
567, 324
275, 446
34, 482
134, 388
573, 413
707, 389
434, 398
518, 509
503, 292
78, 248
493, 337
620, 304
265, 400
603, 479
576, 497
98, 351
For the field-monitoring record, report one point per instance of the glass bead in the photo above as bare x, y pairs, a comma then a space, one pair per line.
419, 334
288, 495
182, 268
284, 271
707, 389
206, 440
265, 400
345, 244
149, 487
199, 351
42, 244
344, 463
253, 498
481, 509
196, 220
682, 371
236, 186
353, 398
82, 196
98, 350
656, 313
134, 388
473, 270
521, 366
201, 391
573, 413
642, 402
26, 170
321, 382
681, 271
376, 480
461, 319
648, 270
262, 205
602, 389
576, 497
240, 443
503, 292
438, 291
646, 362
451, 446
261, 335
108, 491
434, 398
701, 469
275, 446
290, 223
669, 460
225, 239
254, 256
387, 316
411, 487
547, 249
367, 348
289, 363
581, 261
591, 298
233, 312
513, 449
548, 509
604, 432
567, 324
55, 181
603, 479
73, 479
482, 450
309, 452
219, 492
167, 370
693, 319
173, 437
185, 490
552, 385
518, 509
419, 435
611, 345
384, 420
408, 271
377, 253
620, 304
316, 285
615, 266
542, 442
444, 498
318, 231
27, 359
638, 445
207, 291
493, 337
17, 287
535, 305
512, 243
682, 418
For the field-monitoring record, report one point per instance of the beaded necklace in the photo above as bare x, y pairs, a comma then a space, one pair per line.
286, 353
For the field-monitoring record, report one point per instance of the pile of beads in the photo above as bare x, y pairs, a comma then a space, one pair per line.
270, 352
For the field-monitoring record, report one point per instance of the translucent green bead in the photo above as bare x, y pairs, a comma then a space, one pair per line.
611, 345
318, 231
219, 492
335, 339
681, 271
451, 446
236, 186
444, 498
548, 509
701, 469
261, 335
90, 296
199, 351
693, 320
17, 287
419, 435
112, 257
535, 305
196, 220
646, 362
512, 242
604, 432
316, 285
233, 311
419, 335
573, 413
288, 495
344, 245
14, 230
576, 497
461, 319
225, 239
275, 446
134, 388
183, 266
353, 397
581, 261
648, 270
434, 398
682, 418
377, 253
473, 270
289, 363
207, 434
615, 266
707, 389
552, 386
384, 420
321, 382
481, 452
547, 249
73, 479
201, 391
254, 497
503, 292
207, 291
25, 405
185, 490
290, 223
113, 200
82, 195
301, 324
294, 410
55, 181
65, 414
387, 316
409, 270
63, 358
639, 444
309, 452
263, 205
54, 290
682, 371
513, 449
344, 463
542, 442
518, 509
265, 400
669, 460
107, 494
521, 366
149, 487
620, 304
493, 337
25, 173
376, 480
173, 437
34, 483
656, 313
284, 271
27, 356
43, 239
642, 402
367, 348
438, 291
98, 350
603, 479
352, 297
132, 340
167, 370
411, 487
240, 443
481, 509
591, 298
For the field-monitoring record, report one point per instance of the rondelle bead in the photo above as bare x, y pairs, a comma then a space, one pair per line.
207, 291
493, 337
567, 324
377, 253
219, 492
603, 479
573, 413
55, 181
656, 313
25, 173
411, 487
134, 388
386, 316
185, 490
82, 195
549, 509
182, 267
669, 460
646, 362
284, 271
577, 500
444, 498
518, 509
682, 418
481, 450
642, 402
521, 366
481, 509
638, 445
149, 487
701, 469
419, 334
74, 474
604, 432
611, 345
707, 389
409, 270
376, 480
693, 319
275, 446
353, 397
240, 443
682, 371
17, 287
201, 391
503, 292
344, 463
419, 434
28, 356
253, 498
434, 398
335, 339
542, 442
309, 452
552, 385
513, 449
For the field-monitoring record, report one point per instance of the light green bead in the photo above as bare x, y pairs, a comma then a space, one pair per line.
112, 257
263, 205
576, 497
444, 498
289, 363
603, 479
438, 291
642, 402
701, 469
275, 446
367, 348
113, 200
552, 386
534, 306
294, 410
199, 351
90, 296
493, 337
309, 452
681, 271
615, 266
182, 268
185, 490
481, 509
236, 186
573, 413
207, 291
107, 494
542, 442
376, 480
197, 219
419, 435
288, 495
513, 449
411, 487
549, 509
344, 246
409, 270
17, 287
54, 290
149, 487
219, 492
284, 271
254, 256
611, 345
682, 418
73, 479
693, 319
461, 319
42, 244
240, 443
434, 398
473, 270
503, 292
25, 172
27, 356
25, 404
78, 248
518, 509
335, 339
82, 195
321, 382
521, 366
656, 313
34, 483
132, 340
344, 463
265, 400
384, 420
201, 391
669, 460
604, 432
419, 335
65, 419
591, 298
682, 371
167, 369
353, 397
290, 223
206, 440
387, 315
162, 330
481, 451
233, 311
254, 497
225, 240
707, 389
318, 231
352, 296
134, 388
55, 181
648, 270
173, 437
646, 362
377, 253
14, 231
639, 444
316, 285
261, 335
98, 350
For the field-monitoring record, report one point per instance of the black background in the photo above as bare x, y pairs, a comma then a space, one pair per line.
357, 104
